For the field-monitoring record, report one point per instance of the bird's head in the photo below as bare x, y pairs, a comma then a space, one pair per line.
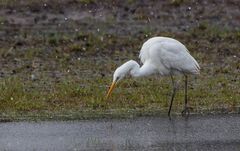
121, 72
118, 75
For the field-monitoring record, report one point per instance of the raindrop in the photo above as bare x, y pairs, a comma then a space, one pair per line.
65, 18
187, 27
78, 58
98, 30
45, 5
148, 20
76, 30
33, 77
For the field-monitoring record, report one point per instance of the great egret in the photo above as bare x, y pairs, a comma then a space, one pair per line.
164, 56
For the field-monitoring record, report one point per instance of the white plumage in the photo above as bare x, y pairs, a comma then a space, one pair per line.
164, 56
168, 56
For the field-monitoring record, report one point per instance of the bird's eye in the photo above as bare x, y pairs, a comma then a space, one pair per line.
117, 78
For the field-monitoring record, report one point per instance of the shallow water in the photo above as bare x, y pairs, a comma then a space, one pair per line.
195, 133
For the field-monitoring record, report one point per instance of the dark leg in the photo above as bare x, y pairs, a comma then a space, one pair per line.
173, 95
186, 108
185, 98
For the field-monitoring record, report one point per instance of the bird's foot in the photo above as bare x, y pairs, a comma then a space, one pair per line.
186, 111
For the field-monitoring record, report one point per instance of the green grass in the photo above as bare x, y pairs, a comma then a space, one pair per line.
73, 72
178, 2
68, 99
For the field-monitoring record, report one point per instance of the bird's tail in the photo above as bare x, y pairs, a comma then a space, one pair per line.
197, 67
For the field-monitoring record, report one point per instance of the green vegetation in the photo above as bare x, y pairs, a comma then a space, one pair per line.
63, 71
177, 2
79, 90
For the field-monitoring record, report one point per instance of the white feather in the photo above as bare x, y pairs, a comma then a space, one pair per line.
169, 56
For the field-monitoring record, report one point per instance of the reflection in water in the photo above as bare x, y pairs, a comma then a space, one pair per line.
140, 136
158, 133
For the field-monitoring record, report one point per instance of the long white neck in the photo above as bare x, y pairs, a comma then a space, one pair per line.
137, 71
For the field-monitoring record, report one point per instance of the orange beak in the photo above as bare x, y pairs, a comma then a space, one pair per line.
111, 89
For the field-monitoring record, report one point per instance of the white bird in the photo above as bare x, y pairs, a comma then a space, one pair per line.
164, 56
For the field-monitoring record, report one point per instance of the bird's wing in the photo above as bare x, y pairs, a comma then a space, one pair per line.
165, 41
173, 56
